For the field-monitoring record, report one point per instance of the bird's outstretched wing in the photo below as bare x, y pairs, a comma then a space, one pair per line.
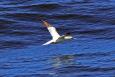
49, 42
53, 33
52, 30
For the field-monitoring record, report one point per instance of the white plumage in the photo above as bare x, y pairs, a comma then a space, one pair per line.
55, 36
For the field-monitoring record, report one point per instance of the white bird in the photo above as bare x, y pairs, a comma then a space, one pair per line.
56, 38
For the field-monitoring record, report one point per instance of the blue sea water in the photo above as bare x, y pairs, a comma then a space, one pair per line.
91, 54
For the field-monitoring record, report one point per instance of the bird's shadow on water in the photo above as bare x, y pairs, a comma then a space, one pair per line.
64, 64
70, 66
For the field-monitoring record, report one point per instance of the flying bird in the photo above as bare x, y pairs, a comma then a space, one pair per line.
56, 38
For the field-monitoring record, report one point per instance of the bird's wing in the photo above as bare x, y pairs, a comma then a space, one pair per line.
46, 24
53, 33
52, 30
49, 42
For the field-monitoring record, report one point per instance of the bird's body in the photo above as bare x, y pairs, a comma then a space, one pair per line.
56, 38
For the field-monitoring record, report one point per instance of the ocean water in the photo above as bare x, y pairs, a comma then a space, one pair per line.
91, 54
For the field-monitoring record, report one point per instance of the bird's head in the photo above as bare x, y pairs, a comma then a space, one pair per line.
68, 36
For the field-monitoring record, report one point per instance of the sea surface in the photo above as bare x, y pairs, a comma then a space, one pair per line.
90, 54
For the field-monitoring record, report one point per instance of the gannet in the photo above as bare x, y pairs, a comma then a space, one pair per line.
56, 38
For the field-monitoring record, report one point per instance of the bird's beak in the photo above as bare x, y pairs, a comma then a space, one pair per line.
74, 38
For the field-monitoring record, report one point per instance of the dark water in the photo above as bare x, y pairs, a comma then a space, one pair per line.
91, 54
